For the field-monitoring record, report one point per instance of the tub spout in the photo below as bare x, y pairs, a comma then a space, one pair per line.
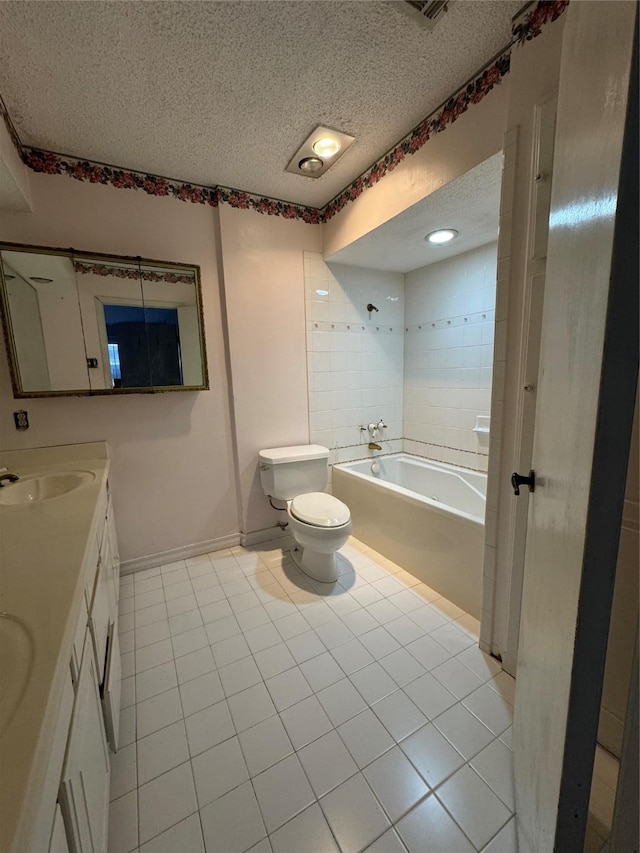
374, 446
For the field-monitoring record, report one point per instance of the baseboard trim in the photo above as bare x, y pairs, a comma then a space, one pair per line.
128, 567
254, 537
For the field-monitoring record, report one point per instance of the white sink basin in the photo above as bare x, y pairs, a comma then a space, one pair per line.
44, 488
16, 663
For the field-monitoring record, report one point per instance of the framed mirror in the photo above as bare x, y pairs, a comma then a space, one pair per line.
78, 323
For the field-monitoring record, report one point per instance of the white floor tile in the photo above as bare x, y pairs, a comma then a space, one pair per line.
354, 814
239, 676
159, 711
238, 642
506, 841
399, 715
291, 626
373, 683
123, 824
194, 664
467, 734
402, 667
474, 806
456, 678
189, 641
251, 707
157, 680
334, 634
232, 824
365, 737
379, 642
228, 651
341, 701
305, 722
429, 695
150, 614
387, 843
201, 692
264, 745
305, 646
127, 732
124, 776
495, 765
288, 688
222, 629
395, 783
404, 630
321, 671
429, 829
185, 837
352, 656
282, 792
166, 801
327, 763
490, 708
432, 755
209, 727
162, 751
219, 770
480, 663
308, 832
427, 618
274, 660
184, 622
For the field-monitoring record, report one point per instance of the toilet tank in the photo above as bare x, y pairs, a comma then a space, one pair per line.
286, 472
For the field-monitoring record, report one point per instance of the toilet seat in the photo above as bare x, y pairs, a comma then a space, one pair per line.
320, 510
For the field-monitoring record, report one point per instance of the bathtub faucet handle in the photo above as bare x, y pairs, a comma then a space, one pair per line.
381, 424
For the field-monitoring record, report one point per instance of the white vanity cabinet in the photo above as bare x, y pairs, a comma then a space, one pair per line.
84, 787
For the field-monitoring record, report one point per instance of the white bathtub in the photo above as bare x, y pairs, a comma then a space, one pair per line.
426, 516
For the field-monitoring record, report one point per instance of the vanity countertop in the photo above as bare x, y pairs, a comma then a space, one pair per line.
44, 548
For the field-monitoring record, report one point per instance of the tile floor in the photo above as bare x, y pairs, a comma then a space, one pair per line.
262, 711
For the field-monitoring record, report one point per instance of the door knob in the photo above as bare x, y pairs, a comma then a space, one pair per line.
518, 480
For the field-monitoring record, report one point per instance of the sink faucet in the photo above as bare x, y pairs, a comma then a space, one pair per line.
8, 478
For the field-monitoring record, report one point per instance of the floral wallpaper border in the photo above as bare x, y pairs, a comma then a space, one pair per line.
132, 272
473, 92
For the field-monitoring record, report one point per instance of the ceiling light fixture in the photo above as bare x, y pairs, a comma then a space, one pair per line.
310, 165
326, 146
40, 280
320, 150
442, 235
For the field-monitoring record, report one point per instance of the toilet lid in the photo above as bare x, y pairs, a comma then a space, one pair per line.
320, 509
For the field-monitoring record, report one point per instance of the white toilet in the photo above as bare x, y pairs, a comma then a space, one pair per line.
320, 523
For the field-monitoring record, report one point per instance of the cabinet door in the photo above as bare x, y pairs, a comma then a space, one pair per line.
100, 618
84, 788
58, 841
111, 689
113, 541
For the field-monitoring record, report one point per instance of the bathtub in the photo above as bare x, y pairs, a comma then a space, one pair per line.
426, 516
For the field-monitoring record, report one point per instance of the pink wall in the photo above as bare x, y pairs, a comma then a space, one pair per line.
172, 462
262, 258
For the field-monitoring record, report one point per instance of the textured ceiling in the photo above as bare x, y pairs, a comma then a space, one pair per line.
470, 204
224, 92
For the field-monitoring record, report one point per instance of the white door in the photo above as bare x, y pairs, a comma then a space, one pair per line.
586, 389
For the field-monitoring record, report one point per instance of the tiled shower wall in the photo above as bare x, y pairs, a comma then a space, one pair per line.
422, 362
450, 313
355, 359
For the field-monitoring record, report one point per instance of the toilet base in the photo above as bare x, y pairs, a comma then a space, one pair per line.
319, 567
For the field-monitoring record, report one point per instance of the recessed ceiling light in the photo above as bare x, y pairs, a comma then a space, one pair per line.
322, 292
326, 146
442, 235
310, 165
40, 280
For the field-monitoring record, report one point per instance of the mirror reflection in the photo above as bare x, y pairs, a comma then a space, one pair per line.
77, 323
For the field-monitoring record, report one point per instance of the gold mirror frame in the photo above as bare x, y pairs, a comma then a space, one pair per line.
20, 393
